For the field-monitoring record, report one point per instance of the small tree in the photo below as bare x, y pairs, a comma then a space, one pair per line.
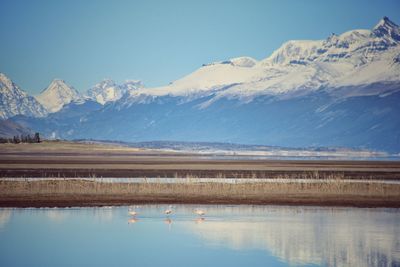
16, 139
36, 138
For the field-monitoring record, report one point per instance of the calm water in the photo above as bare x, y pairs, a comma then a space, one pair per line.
225, 236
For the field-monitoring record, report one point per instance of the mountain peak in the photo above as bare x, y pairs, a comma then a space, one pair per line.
56, 83
5, 80
108, 91
386, 27
386, 22
56, 95
3, 76
15, 101
7, 86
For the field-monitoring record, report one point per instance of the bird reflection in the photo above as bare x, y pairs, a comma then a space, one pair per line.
168, 221
132, 220
199, 220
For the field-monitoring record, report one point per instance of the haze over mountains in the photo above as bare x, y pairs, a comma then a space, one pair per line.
341, 91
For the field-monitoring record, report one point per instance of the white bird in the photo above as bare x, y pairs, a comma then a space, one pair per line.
132, 212
168, 211
200, 212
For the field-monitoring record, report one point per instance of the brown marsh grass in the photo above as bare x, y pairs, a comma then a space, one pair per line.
191, 187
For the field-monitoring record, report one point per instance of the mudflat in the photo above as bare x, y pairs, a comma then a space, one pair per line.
68, 159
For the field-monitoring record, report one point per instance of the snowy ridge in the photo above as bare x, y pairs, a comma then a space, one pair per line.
14, 101
107, 90
56, 95
354, 58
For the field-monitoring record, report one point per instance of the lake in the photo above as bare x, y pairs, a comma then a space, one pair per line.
240, 235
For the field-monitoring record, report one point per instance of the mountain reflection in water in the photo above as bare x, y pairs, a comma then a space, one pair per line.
322, 236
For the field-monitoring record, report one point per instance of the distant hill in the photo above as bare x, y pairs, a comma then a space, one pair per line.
9, 129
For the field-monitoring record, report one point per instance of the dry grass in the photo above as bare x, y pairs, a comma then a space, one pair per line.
190, 187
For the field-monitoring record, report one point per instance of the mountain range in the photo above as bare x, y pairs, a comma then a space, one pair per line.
340, 91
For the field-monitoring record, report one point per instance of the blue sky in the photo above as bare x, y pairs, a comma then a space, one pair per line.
157, 42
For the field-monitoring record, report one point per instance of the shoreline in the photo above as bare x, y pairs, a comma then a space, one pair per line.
45, 202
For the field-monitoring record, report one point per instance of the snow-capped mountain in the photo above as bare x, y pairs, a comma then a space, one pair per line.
108, 91
356, 47
341, 91
14, 101
56, 95
354, 58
